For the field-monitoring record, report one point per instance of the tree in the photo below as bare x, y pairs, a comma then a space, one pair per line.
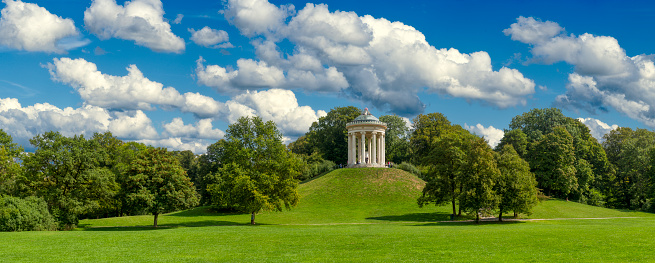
10, 169
329, 135
257, 173
157, 183
396, 139
517, 187
65, 172
425, 129
628, 150
478, 178
446, 164
517, 139
552, 160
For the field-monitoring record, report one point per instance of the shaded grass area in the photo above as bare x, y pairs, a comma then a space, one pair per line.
614, 240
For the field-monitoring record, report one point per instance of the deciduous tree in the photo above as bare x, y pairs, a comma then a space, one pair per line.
157, 183
516, 187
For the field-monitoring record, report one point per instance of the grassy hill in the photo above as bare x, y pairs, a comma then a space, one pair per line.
348, 215
368, 195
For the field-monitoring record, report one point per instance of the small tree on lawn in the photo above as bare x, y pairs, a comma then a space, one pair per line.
517, 186
158, 184
258, 173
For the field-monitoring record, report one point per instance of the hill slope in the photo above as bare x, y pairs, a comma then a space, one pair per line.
363, 195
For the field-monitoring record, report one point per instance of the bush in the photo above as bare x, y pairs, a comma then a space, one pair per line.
315, 169
29, 214
409, 168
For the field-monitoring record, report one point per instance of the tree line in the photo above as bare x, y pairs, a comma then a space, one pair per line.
66, 179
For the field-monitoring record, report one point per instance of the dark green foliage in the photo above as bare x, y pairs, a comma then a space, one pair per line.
516, 187
329, 135
258, 173
396, 139
10, 169
552, 160
302, 146
156, 183
408, 167
28, 214
517, 139
629, 151
314, 169
67, 174
478, 178
425, 129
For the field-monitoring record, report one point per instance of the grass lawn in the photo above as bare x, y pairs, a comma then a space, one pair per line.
363, 215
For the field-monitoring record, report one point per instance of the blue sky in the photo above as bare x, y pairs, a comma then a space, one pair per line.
176, 74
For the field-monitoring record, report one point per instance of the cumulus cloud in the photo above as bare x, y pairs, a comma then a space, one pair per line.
279, 106
208, 37
26, 26
179, 144
597, 128
139, 20
202, 130
491, 134
532, 31
372, 59
604, 76
23, 123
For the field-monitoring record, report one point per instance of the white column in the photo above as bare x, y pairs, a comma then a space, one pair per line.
379, 152
384, 149
369, 150
362, 152
350, 149
374, 149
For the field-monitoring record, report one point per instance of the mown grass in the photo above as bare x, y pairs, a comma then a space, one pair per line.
359, 215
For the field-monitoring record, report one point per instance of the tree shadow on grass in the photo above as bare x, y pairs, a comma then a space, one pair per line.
414, 217
206, 223
471, 223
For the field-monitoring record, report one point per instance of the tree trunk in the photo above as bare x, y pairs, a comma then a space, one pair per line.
515, 215
453, 205
477, 217
500, 215
156, 216
252, 218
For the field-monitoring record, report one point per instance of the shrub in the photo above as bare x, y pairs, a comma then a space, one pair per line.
29, 214
409, 168
315, 169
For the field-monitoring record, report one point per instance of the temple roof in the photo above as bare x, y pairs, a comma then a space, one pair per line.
366, 118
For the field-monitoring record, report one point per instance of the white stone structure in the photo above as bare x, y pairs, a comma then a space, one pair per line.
366, 141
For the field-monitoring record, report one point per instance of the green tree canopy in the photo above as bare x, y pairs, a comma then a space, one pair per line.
65, 172
516, 187
426, 128
257, 171
628, 150
396, 139
329, 135
156, 183
10, 169
552, 160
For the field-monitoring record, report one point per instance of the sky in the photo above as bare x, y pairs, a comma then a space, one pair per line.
175, 74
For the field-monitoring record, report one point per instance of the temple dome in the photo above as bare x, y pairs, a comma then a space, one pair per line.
366, 118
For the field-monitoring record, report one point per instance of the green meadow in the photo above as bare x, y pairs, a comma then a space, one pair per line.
358, 215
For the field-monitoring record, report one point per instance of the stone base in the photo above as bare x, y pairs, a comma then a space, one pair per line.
362, 165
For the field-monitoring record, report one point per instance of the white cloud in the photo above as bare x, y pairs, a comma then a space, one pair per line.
491, 134
202, 130
280, 106
597, 128
26, 26
532, 31
253, 17
209, 37
23, 123
179, 144
139, 20
372, 59
249, 75
178, 19
605, 77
